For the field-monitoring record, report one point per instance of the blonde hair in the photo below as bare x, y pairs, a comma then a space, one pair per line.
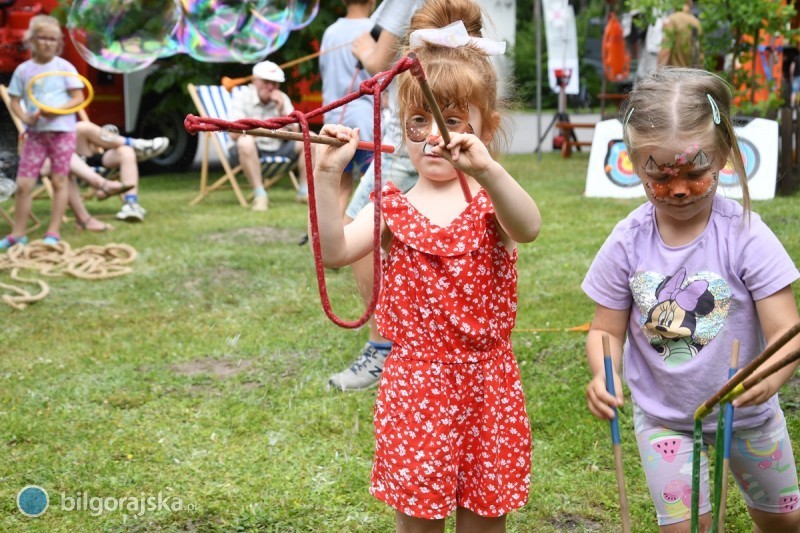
41, 21
677, 102
457, 76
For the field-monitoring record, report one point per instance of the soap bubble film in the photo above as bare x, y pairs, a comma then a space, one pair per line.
128, 35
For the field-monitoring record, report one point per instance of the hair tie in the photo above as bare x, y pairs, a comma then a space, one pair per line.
627, 118
454, 36
714, 109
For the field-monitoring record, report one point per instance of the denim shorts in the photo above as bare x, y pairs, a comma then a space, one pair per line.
396, 168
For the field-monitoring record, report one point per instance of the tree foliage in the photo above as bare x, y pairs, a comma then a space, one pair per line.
732, 33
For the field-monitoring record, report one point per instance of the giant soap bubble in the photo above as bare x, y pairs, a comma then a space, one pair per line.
129, 35
122, 35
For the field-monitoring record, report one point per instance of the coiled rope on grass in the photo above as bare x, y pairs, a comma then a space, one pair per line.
93, 262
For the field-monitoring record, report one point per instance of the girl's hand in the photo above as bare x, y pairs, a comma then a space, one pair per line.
759, 394
31, 118
333, 159
600, 402
468, 154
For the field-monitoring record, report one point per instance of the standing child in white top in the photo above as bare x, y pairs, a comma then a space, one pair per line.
49, 135
678, 281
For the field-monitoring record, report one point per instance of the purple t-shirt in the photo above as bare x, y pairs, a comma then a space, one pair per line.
687, 305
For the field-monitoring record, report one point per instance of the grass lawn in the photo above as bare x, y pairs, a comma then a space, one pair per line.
202, 375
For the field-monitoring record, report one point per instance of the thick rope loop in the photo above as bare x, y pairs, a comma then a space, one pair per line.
374, 87
91, 262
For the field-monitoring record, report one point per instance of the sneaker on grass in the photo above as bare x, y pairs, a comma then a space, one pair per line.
149, 148
131, 213
364, 373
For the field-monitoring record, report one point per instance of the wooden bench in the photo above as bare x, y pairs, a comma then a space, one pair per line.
567, 130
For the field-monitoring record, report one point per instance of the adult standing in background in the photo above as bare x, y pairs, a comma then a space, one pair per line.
680, 45
393, 17
341, 75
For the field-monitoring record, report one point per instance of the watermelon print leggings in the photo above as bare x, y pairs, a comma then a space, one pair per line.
761, 461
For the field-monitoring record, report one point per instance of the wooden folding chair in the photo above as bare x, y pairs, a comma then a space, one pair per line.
7, 214
46, 187
215, 101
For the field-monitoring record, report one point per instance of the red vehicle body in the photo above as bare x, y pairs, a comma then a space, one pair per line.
120, 99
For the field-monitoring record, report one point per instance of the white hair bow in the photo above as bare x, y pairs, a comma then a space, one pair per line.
453, 36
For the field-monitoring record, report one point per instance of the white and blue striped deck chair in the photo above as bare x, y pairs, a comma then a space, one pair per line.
215, 101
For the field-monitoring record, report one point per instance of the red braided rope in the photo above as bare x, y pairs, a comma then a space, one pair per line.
373, 86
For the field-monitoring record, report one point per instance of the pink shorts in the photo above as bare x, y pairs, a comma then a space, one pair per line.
39, 145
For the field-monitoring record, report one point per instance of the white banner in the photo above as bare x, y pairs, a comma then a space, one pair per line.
562, 43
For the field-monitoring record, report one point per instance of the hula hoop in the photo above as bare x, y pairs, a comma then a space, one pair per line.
60, 110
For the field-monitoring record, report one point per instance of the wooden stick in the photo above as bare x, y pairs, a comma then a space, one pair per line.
419, 74
740, 376
317, 139
615, 439
727, 444
752, 381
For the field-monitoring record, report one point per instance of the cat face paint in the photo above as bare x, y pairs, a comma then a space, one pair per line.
692, 176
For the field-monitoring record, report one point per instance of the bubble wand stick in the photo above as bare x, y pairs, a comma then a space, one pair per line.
419, 74
615, 440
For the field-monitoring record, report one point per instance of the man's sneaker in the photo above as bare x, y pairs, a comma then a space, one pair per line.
261, 203
132, 213
364, 373
149, 148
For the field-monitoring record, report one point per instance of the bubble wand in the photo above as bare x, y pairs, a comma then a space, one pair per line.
615, 439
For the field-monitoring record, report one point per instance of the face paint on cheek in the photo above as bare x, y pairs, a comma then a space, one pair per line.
702, 187
660, 190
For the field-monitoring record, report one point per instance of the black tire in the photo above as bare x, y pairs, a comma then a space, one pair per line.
182, 145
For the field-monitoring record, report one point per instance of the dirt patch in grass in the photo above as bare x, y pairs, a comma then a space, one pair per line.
259, 235
571, 522
220, 368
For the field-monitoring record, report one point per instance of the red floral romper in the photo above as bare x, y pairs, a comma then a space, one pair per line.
450, 422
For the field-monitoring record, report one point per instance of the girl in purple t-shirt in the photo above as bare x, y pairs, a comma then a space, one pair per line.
676, 282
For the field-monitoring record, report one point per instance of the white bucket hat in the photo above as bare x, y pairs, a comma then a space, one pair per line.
267, 70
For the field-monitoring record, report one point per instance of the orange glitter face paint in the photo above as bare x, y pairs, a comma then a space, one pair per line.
682, 178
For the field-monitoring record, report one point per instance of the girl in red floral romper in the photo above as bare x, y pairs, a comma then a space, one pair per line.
451, 428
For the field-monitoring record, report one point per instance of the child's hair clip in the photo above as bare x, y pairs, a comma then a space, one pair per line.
714, 109
627, 118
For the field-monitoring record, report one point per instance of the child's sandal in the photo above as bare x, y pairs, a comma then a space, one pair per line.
106, 191
92, 224
9, 240
51, 239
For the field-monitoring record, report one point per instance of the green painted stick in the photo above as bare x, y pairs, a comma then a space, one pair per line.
697, 450
615, 440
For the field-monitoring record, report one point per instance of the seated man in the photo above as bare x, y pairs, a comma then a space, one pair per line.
101, 147
261, 100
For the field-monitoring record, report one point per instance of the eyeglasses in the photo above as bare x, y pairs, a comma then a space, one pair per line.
419, 127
